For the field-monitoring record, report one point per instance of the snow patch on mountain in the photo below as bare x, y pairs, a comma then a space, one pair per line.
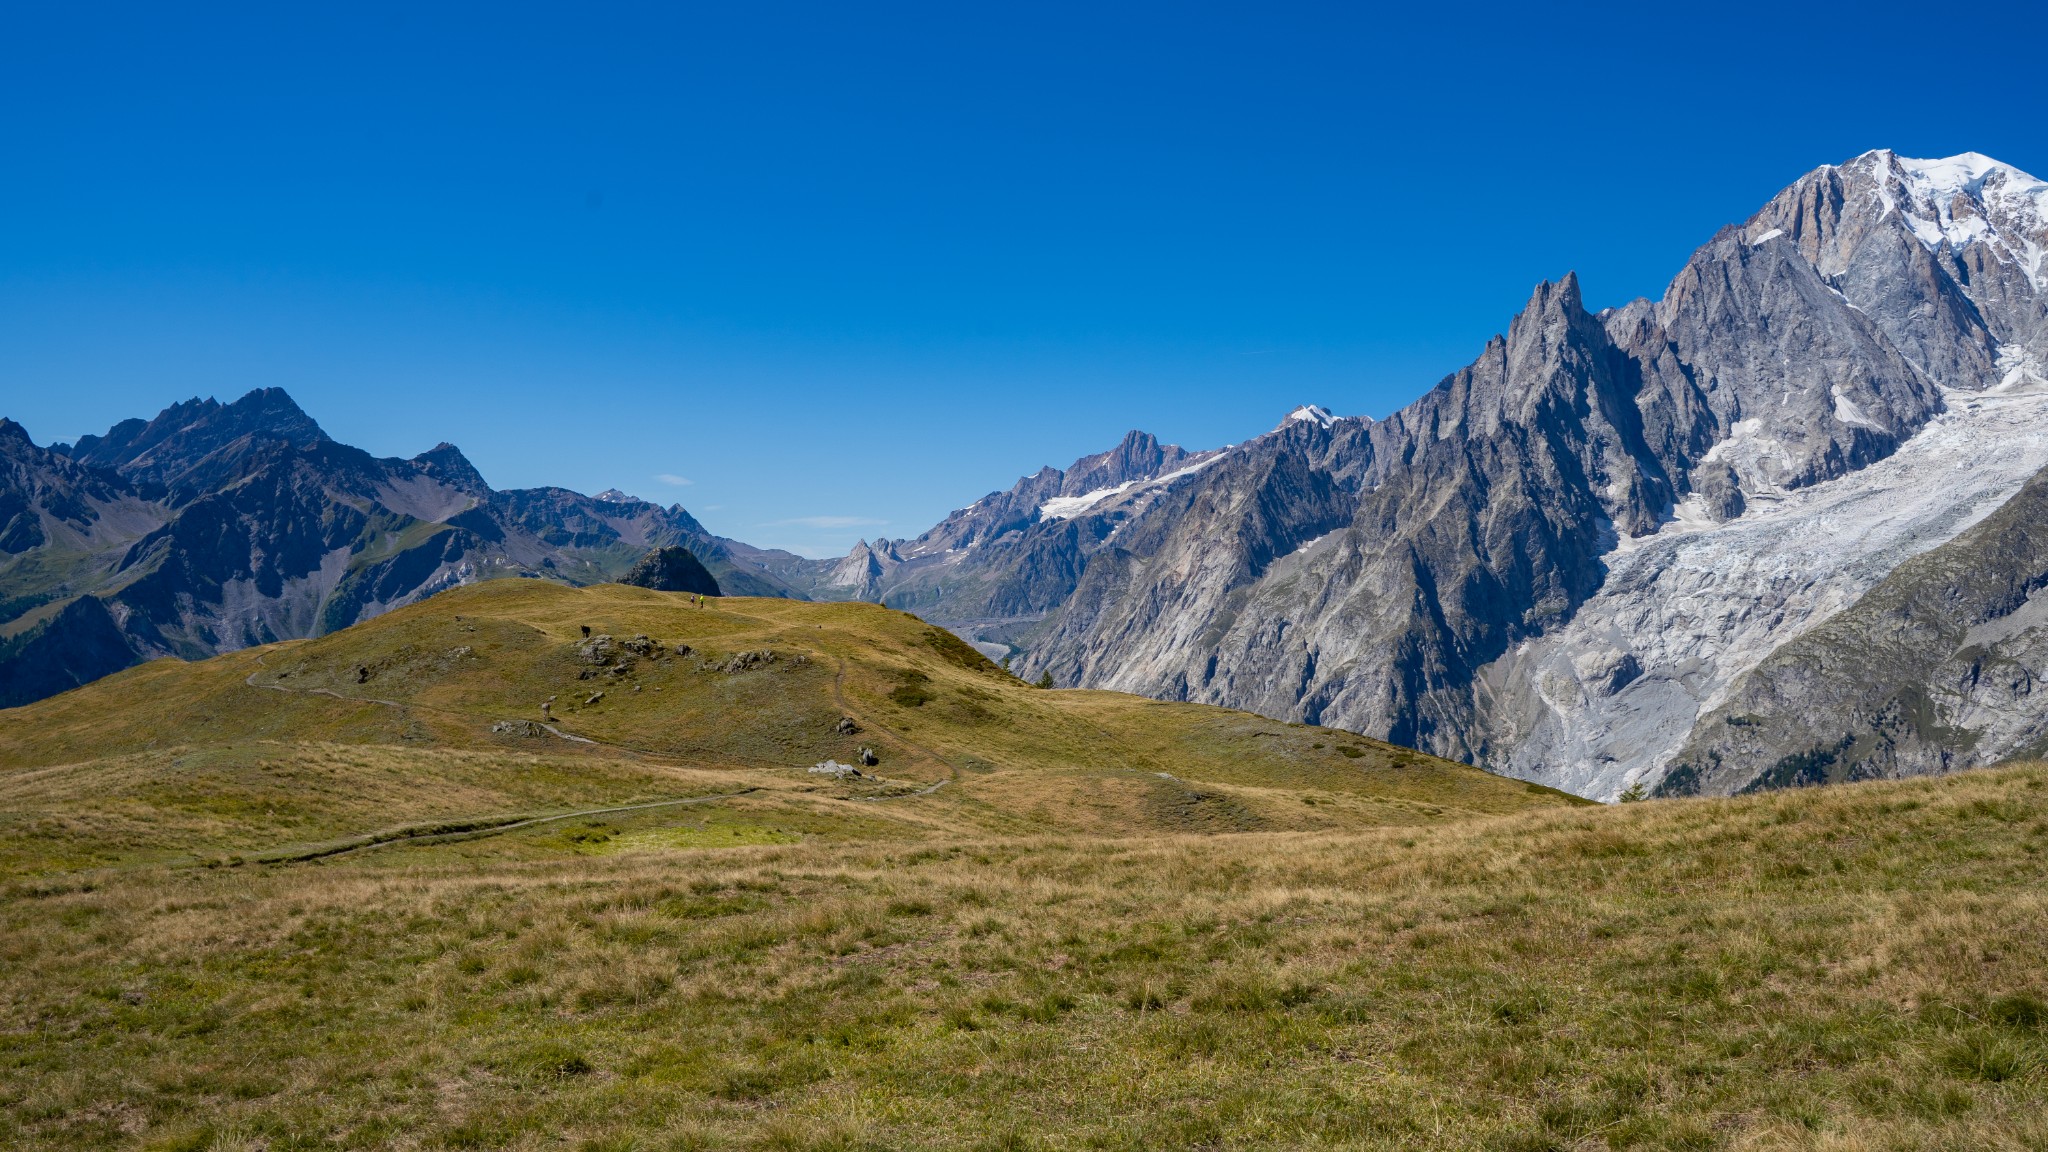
1310, 414
1972, 198
1609, 699
2018, 367
1068, 507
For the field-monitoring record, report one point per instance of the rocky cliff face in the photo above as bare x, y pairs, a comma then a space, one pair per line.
217, 526
1942, 665
1638, 547
992, 570
1563, 555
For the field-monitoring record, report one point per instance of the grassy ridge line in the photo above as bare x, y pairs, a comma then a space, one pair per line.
439, 671
445, 832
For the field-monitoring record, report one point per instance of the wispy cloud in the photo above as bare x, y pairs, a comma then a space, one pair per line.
828, 522
675, 481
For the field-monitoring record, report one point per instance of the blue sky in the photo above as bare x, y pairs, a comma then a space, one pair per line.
843, 268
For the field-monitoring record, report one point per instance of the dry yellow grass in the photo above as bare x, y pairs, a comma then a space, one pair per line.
399, 721
1849, 968
1275, 945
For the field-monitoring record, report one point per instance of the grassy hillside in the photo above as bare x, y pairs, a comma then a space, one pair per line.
433, 713
1292, 938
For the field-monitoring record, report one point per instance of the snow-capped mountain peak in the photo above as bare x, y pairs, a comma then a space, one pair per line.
1964, 199
1309, 414
1940, 180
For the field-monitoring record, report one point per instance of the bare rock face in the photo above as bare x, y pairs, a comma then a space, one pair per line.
1483, 514
1944, 256
671, 568
213, 527
1564, 555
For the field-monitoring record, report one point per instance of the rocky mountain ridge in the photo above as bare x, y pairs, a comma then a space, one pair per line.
1609, 553
1506, 571
217, 526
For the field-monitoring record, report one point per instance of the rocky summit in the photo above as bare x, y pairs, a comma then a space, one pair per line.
1575, 558
214, 527
671, 568
1773, 527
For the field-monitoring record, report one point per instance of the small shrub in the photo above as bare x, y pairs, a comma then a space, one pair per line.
1519, 1008
2019, 1010
1983, 1056
550, 1060
913, 690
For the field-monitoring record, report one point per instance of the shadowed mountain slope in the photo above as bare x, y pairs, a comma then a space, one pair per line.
217, 526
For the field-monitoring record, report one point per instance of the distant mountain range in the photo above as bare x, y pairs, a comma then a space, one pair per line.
217, 526
1776, 527
1597, 557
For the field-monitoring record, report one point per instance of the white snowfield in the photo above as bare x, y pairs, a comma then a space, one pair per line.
1971, 197
1068, 507
1310, 414
1608, 700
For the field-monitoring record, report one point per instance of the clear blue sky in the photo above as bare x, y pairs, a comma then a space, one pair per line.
844, 267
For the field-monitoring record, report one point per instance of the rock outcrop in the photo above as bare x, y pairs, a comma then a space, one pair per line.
671, 568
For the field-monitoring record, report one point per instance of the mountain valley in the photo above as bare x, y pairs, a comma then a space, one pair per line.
1562, 563
1232, 798
1563, 559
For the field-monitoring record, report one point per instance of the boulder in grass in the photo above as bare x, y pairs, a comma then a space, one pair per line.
671, 569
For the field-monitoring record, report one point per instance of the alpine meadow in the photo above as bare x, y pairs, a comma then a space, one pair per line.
1539, 642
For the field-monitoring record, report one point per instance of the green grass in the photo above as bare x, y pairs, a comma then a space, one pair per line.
1846, 968
404, 719
1117, 924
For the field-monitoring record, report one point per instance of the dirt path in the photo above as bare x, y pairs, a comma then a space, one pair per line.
845, 709
445, 832
261, 666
